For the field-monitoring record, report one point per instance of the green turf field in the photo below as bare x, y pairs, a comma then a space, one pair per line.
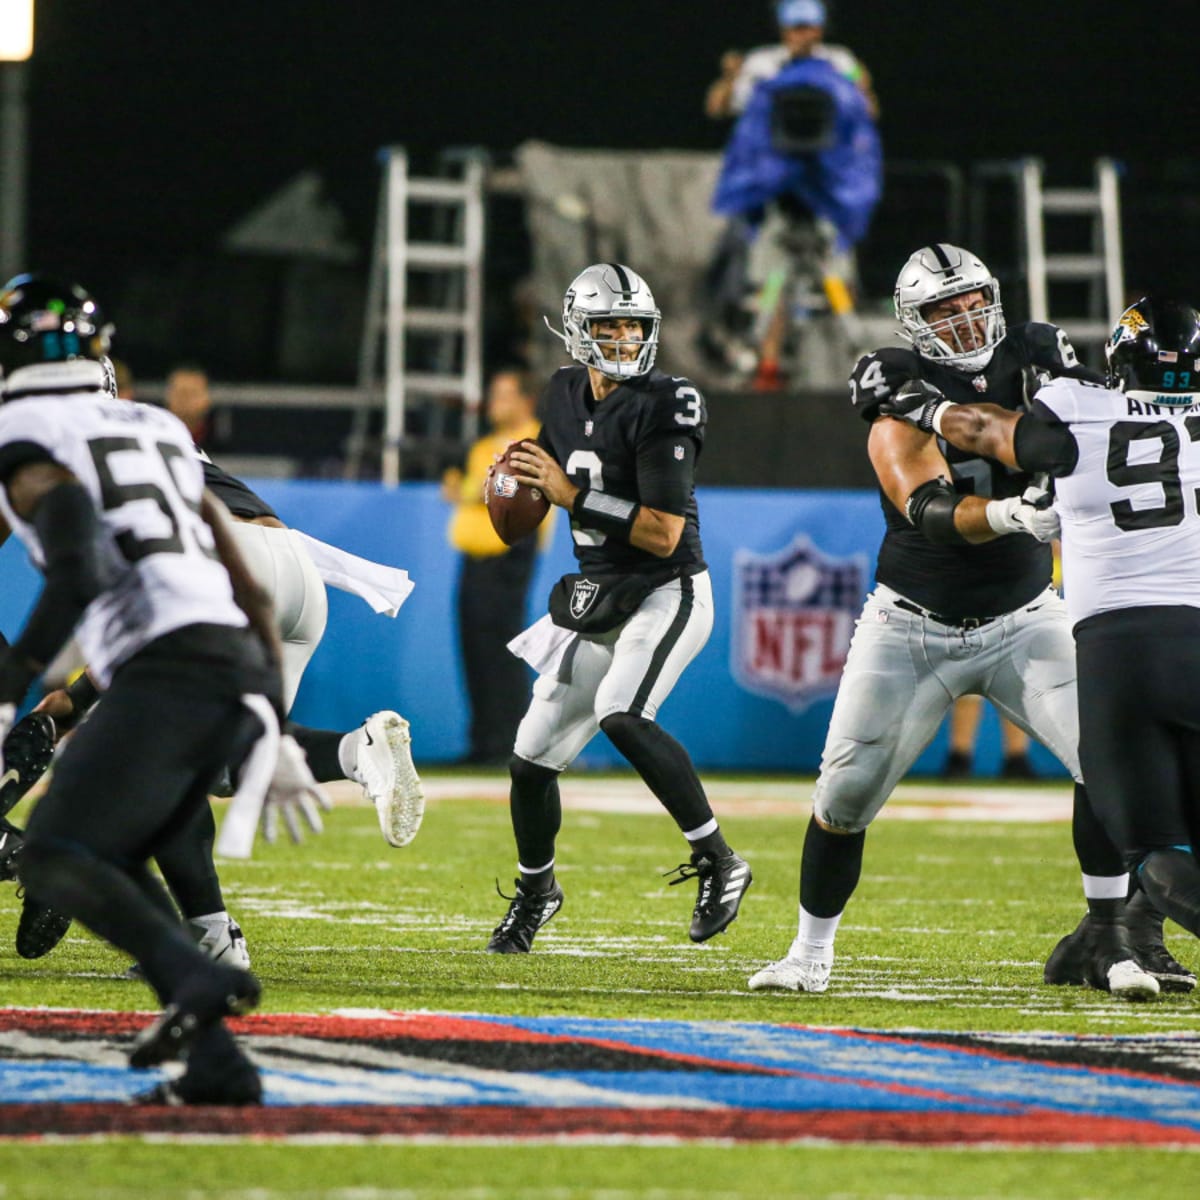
948, 930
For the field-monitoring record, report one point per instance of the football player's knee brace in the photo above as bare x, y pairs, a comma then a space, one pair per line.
1171, 878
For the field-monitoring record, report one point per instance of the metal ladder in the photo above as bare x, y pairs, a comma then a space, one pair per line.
1098, 271
449, 318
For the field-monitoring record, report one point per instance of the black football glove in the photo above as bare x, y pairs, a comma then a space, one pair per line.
916, 402
27, 752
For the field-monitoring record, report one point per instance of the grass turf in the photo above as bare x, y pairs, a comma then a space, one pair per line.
948, 930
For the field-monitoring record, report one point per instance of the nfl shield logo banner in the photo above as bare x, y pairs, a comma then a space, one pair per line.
793, 616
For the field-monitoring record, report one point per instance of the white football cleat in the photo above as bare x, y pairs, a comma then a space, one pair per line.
383, 765
223, 941
1127, 981
792, 975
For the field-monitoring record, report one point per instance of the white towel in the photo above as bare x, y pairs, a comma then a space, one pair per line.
383, 588
236, 839
542, 645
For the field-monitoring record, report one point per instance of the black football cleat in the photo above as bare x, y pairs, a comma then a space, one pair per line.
723, 883
40, 928
1099, 954
11, 842
203, 1000
1145, 925
28, 752
527, 912
232, 1082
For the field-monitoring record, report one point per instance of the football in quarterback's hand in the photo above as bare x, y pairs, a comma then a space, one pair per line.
516, 509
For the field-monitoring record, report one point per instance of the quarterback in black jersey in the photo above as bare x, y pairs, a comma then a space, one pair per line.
617, 450
962, 606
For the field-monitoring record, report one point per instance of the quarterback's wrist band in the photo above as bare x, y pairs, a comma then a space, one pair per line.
609, 514
938, 414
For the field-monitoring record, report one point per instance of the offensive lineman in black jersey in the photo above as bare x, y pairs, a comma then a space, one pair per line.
963, 605
617, 450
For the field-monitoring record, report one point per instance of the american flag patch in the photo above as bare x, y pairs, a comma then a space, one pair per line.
1168, 356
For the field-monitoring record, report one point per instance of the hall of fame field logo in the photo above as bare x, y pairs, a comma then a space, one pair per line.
793, 616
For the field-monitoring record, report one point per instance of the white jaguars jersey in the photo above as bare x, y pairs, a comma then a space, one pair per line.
1130, 509
140, 468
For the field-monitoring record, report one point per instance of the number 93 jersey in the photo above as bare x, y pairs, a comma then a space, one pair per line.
1127, 489
639, 443
140, 468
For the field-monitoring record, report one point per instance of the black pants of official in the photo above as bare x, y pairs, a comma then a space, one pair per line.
492, 594
129, 780
1139, 725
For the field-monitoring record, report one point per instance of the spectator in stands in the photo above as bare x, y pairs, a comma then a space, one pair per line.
801, 176
494, 578
188, 398
964, 729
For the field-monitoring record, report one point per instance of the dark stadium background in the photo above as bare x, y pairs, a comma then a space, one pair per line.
155, 126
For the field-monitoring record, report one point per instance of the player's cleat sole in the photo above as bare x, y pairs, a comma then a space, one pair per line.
28, 752
792, 975
527, 912
202, 1001
383, 765
722, 884
40, 927
1127, 981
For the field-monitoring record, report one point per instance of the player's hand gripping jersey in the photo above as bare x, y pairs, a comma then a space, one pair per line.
965, 580
139, 467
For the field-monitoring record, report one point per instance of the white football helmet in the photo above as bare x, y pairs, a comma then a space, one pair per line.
607, 291
937, 272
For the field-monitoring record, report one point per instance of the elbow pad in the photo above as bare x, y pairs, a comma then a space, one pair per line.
931, 509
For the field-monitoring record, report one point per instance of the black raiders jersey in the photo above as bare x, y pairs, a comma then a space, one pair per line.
991, 577
233, 493
640, 443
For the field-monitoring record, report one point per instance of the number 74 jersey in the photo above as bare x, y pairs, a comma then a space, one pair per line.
1130, 506
141, 470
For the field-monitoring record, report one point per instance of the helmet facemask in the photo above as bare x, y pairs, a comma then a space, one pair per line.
938, 273
608, 292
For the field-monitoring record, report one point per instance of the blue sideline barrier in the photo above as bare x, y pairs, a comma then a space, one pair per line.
367, 662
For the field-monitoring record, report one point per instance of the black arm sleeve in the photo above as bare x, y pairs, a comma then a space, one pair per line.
1041, 442
666, 468
75, 571
931, 509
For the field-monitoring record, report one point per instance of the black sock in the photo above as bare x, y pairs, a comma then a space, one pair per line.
664, 765
1171, 878
1093, 847
320, 747
536, 811
714, 845
186, 863
830, 867
1107, 912
113, 905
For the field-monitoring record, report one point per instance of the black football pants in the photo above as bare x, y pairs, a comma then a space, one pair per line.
127, 782
1139, 725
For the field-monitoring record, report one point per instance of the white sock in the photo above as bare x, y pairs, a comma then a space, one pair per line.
348, 754
1106, 887
815, 937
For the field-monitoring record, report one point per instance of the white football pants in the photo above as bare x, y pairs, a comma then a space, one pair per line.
631, 669
279, 561
905, 670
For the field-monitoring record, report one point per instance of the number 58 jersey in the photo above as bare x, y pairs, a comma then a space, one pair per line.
1127, 491
140, 468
